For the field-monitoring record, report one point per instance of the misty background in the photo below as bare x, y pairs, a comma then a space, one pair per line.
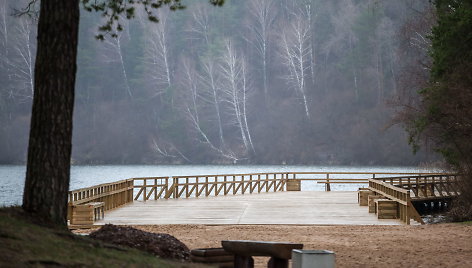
253, 82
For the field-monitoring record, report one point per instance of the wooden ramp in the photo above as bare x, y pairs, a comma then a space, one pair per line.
304, 208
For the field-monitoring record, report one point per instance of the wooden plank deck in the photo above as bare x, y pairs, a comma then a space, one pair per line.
304, 208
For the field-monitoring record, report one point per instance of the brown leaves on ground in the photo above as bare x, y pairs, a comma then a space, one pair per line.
163, 245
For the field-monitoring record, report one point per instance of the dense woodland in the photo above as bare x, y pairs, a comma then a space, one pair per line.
442, 114
261, 81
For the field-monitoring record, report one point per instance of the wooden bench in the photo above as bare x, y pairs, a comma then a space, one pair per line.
371, 202
244, 250
293, 185
386, 209
213, 256
86, 214
362, 196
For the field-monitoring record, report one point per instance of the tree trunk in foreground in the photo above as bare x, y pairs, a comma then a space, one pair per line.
50, 142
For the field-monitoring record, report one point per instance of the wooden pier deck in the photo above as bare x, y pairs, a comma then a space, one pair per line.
262, 198
301, 208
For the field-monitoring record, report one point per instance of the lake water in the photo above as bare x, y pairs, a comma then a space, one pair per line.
12, 177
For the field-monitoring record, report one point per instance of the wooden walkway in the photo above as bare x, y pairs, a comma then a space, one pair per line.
303, 208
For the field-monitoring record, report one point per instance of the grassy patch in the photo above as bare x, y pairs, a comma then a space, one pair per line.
24, 244
465, 222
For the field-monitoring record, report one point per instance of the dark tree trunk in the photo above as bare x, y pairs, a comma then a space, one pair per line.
50, 142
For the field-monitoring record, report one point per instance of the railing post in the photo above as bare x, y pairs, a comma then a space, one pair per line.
250, 184
186, 188
215, 185
327, 186
131, 191
155, 188
407, 212
196, 187
284, 182
259, 183
174, 189
224, 186
234, 185
432, 186
267, 182
275, 182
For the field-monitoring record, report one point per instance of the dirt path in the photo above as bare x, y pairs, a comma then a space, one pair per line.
440, 245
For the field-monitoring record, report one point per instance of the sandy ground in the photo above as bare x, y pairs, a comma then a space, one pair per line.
438, 245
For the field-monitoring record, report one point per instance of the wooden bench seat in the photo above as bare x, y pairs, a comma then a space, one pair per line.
371, 202
386, 209
244, 250
213, 256
363, 195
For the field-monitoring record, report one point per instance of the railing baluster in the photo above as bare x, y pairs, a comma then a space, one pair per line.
224, 184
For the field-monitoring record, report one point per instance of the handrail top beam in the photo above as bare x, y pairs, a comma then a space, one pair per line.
429, 175
310, 173
149, 178
98, 186
398, 189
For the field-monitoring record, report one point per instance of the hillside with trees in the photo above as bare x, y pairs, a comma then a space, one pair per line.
260, 82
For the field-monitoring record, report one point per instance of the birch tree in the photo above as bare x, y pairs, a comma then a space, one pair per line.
295, 55
200, 24
195, 100
24, 52
234, 89
245, 91
115, 53
157, 55
263, 14
4, 33
5, 89
210, 81
309, 14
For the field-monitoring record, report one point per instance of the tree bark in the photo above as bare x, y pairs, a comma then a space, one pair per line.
50, 142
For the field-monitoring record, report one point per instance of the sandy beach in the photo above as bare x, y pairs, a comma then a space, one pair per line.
437, 245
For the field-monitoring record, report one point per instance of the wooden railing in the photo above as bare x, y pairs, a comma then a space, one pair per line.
406, 210
329, 178
428, 186
112, 194
394, 187
406, 189
210, 185
154, 188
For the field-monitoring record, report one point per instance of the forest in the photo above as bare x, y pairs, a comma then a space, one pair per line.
257, 82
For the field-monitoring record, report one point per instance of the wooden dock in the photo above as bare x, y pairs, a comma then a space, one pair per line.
264, 198
302, 208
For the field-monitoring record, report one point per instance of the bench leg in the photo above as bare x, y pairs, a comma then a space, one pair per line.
243, 262
277, 263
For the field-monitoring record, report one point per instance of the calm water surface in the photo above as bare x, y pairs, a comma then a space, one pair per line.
12, 177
